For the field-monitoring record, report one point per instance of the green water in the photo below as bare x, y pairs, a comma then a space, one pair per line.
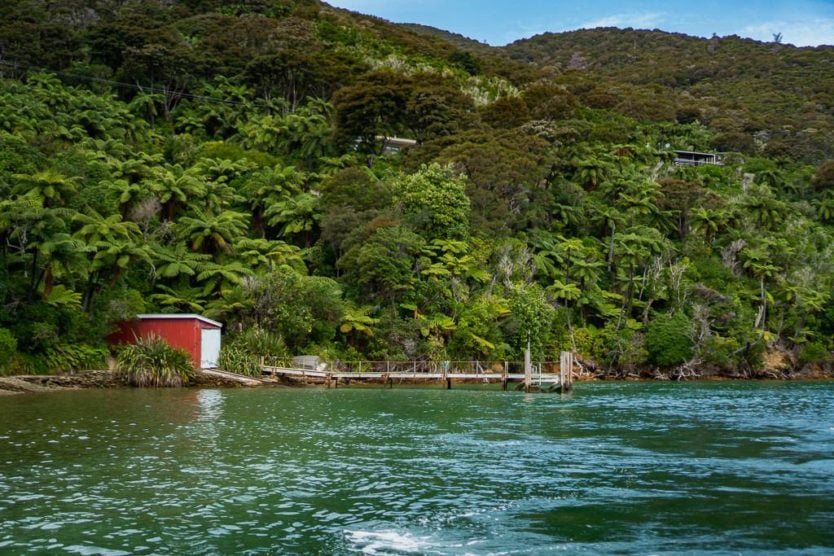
622, 468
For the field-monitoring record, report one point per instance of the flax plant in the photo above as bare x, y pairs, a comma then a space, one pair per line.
152, 362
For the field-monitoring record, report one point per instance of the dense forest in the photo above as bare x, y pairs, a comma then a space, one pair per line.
759, 98
229, 159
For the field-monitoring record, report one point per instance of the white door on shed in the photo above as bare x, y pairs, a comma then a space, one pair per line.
209, 348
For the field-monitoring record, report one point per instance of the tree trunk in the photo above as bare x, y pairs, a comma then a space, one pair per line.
611, 246
33, 282
48, 280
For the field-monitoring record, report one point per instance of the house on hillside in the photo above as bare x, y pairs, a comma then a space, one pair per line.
195, 334
393, 145
694, 158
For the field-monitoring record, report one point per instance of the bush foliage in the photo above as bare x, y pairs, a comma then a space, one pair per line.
247, 177
669, 340
153, 362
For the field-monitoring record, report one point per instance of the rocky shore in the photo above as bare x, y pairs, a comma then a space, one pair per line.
777, 368
49, 383
22, 384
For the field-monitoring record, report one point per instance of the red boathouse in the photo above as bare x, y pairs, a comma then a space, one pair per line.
196, 334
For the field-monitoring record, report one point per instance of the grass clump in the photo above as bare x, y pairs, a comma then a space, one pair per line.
153, 362
237, 359
244, 352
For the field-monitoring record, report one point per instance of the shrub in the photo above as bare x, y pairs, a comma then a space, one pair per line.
8, 349
242, 353
734, 141
65, 358
301, 309
260, 342
751, 357
622, 348
585, 339
237, 359
668, 340
737, 353
824, 178
153, 362
814, 352
720, 352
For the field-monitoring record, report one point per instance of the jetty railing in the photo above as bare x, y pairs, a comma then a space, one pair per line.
533, 375
419, 366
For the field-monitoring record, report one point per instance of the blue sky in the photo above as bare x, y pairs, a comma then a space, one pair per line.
497, 22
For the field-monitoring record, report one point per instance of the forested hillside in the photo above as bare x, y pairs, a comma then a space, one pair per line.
227, 159
759, 98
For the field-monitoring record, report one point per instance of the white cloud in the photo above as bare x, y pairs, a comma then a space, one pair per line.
636, 20
800, 33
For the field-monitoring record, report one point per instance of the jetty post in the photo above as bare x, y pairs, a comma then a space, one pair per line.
566, 371
504, 378
528, 368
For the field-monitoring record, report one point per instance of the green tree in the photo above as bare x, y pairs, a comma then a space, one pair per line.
213, 233
824, 176
434, 200
669, 340
177, 262
51, 188
270, 186
297, 215
382, 268
63, 257
531, 319
98, 229
264, 254
176, 188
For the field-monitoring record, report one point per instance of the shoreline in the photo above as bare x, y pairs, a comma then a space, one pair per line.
101, 379
105, 379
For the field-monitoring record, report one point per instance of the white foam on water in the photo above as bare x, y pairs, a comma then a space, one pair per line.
388, 542
127, 532
89, 550
26, 497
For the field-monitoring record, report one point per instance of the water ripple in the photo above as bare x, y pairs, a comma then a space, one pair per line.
612, 468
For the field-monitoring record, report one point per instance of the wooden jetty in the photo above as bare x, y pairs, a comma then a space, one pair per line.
546, 376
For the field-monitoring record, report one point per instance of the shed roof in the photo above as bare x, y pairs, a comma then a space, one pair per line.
182, 316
